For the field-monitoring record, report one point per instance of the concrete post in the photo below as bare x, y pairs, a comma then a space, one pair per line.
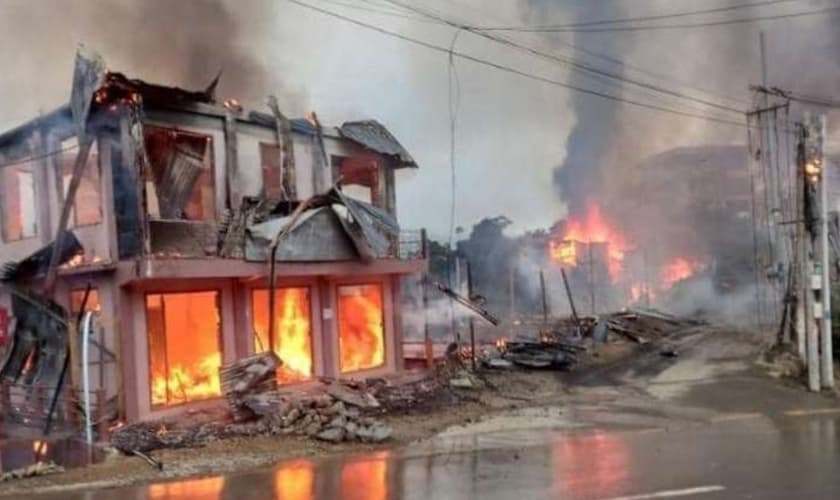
826, 354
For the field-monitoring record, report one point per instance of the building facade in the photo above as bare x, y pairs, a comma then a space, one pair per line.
179, 201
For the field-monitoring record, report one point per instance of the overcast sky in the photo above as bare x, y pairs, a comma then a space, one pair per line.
511, 132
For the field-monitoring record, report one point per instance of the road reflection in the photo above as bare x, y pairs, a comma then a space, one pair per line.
200, 489
736, 456
295, 481
599, 461
365, 479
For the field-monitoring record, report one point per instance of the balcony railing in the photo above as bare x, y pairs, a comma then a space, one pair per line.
411, 245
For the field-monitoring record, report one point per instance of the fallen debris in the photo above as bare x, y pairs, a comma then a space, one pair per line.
37, 469
246, 378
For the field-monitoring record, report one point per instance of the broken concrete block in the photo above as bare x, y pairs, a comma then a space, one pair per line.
376, 433
352, 397
464, 382
339, 421
331, 435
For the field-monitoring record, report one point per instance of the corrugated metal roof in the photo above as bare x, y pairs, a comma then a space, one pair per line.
373, 135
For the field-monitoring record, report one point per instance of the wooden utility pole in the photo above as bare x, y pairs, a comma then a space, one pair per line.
472, 320
544, 299
427, 339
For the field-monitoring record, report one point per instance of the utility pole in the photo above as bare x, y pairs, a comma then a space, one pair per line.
591, 279
544, 301
810, 159
470, 295
827, 357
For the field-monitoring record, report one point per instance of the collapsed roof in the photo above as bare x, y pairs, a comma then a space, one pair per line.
336, 228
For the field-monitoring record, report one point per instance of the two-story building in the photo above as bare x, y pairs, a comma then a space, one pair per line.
176, 209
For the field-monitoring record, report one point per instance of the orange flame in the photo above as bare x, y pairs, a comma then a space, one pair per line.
678, 270
184, 348
293, 332
360, 327
593, 228
199, 381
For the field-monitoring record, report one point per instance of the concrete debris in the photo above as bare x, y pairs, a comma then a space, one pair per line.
496, 363
331, 434
341, 414
245, 383
37, 469
344, 393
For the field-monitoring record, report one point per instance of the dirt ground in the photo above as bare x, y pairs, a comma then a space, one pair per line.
501, 391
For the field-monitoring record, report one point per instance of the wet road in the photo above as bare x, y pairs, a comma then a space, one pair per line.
786, 456
705, 426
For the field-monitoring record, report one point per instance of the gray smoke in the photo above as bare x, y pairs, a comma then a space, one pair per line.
609, 139
170, 42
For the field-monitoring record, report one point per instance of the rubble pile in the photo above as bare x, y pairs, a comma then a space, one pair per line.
543, 354
336, 411
644, 325
560, 345
247, 377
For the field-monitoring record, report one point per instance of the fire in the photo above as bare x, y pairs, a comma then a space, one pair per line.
199, 381
641, 291
678, 270
184, 352
592, 228
360, 326
293, 331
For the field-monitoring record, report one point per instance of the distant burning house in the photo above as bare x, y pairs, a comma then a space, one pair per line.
179, 202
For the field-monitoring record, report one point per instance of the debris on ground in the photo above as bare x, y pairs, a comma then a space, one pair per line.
36, 469
337, 411
246, 378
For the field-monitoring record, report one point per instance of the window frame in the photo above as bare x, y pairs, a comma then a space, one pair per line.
71, 151
17, 168
210, 154
312, 317
385, 343
219, 342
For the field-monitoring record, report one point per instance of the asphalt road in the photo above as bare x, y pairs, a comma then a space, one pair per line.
704, 426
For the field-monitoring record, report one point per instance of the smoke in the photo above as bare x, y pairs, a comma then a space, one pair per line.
609, 139
178, 43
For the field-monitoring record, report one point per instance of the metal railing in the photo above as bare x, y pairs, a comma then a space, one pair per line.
24, 406
411, 245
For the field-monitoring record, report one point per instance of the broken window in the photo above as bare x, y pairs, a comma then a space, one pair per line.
184, 346
361, 331
17, 202
272, 170
77, 297
359, 177
87, 206
180, 184
292, 333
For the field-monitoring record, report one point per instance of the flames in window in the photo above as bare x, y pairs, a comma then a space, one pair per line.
184, 353
360, 327
293, 331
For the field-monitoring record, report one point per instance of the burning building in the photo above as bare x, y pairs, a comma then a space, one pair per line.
184, 208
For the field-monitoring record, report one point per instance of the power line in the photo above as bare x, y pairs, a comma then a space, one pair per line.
704, 24
566, 61
661, 16
511, 70
30, 159
639, 69
376, 9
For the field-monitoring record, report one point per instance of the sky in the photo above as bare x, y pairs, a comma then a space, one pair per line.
512, 134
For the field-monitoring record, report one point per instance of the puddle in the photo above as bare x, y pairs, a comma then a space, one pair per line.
69, 453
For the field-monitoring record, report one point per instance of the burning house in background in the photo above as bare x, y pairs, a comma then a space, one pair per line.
180, 200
